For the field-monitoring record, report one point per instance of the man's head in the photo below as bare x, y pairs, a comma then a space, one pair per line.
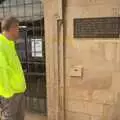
10, 26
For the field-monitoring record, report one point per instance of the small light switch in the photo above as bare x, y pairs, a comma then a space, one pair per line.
76, 71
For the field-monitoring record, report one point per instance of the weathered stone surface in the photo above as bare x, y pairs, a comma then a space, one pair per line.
92, 3
95, 82
95, 109
77, 93
108, 112
115, 82
99, 57
116, 108
104, 97
90, 108
76, 116
95, 118
75, 105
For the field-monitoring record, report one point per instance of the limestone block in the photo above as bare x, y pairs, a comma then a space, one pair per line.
52, 97
116, 108
75, 105
115, 82
108, 112
76, 116
110, 51
104, 97
52, 114
77, 93
95, 118
96, 81
92, 2
95, 109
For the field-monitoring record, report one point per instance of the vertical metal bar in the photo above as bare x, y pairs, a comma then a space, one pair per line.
43, 50
33, 35
33, 28
26, 52
24, 11
40, 23
26, 41
41, 26
17, 8
10, 6
3, 9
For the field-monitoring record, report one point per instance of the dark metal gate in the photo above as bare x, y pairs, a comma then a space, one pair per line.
31, 48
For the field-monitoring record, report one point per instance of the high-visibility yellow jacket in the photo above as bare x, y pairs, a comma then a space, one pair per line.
12, 79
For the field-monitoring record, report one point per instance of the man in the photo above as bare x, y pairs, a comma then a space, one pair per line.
12, 81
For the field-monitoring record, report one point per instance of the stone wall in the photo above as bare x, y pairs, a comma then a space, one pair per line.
95, 95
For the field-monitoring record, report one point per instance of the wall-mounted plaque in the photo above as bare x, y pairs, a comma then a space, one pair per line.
108, 27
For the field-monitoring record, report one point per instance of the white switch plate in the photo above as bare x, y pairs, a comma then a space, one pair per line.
76, 71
